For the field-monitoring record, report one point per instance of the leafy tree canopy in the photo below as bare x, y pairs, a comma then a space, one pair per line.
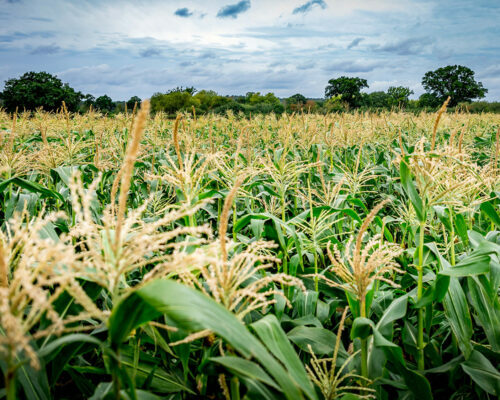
399, 96
296, 102
378, 99
257, 98
455, 81
347, 87
427, 100
88, 100
171, 102
132, 101
296, 99
208, 100
104, 103
180, 89
39, 89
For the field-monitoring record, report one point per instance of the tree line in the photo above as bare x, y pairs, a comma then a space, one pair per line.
35, 90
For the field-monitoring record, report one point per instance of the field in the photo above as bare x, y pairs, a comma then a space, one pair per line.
296, 256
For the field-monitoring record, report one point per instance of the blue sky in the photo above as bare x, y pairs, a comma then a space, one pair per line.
124, 48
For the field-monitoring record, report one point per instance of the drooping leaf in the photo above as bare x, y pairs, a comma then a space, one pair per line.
194, 311
271, 334
246, 369
457, 312
322, 341
480, 369
489, 209
411, 190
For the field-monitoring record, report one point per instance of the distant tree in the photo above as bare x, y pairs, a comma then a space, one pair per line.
398, 96
296, 102
378, 99
132, 101
428, 100
180, 89
297, 98
271, 99
39, 89
206, 100
335, 104
347, 87
255, 98
119, 106
232, 105
171, 102
89, 100
310, 105
104, 103
455, 81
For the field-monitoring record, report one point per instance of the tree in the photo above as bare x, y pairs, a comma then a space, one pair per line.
347, 87
254, 98
171, 102
455, 81
398, 96
296, 102
104, 103
180, 89
335, 104
378, 99
206, 100
310, 105
132, 101
88, 100
427, 100
39, 89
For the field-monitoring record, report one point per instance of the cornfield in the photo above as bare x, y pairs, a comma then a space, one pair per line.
298, 256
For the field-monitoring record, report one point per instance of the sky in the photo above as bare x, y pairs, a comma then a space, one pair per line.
124, 48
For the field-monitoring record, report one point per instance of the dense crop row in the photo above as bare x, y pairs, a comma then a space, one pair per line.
302, 256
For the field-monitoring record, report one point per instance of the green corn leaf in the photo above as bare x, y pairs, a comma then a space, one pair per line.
411, 190
270, 333
489, 210
194, 311
461, 227
456, 309
482, 371
322, 341
474, 264
245, 369
487, 308
31, 187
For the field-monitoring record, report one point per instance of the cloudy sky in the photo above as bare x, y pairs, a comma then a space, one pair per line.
124, 48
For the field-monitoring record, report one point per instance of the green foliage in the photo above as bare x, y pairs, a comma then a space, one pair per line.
39, 89
104, 103
88, 100
254, 98
398, 96
133, 101
455, 81
171, 102
429, 100
177, 301
265, 104
480, 107
295, 102
207, 101
289, 199
374, 100
347, 87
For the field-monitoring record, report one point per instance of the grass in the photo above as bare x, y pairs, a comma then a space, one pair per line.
274, 257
